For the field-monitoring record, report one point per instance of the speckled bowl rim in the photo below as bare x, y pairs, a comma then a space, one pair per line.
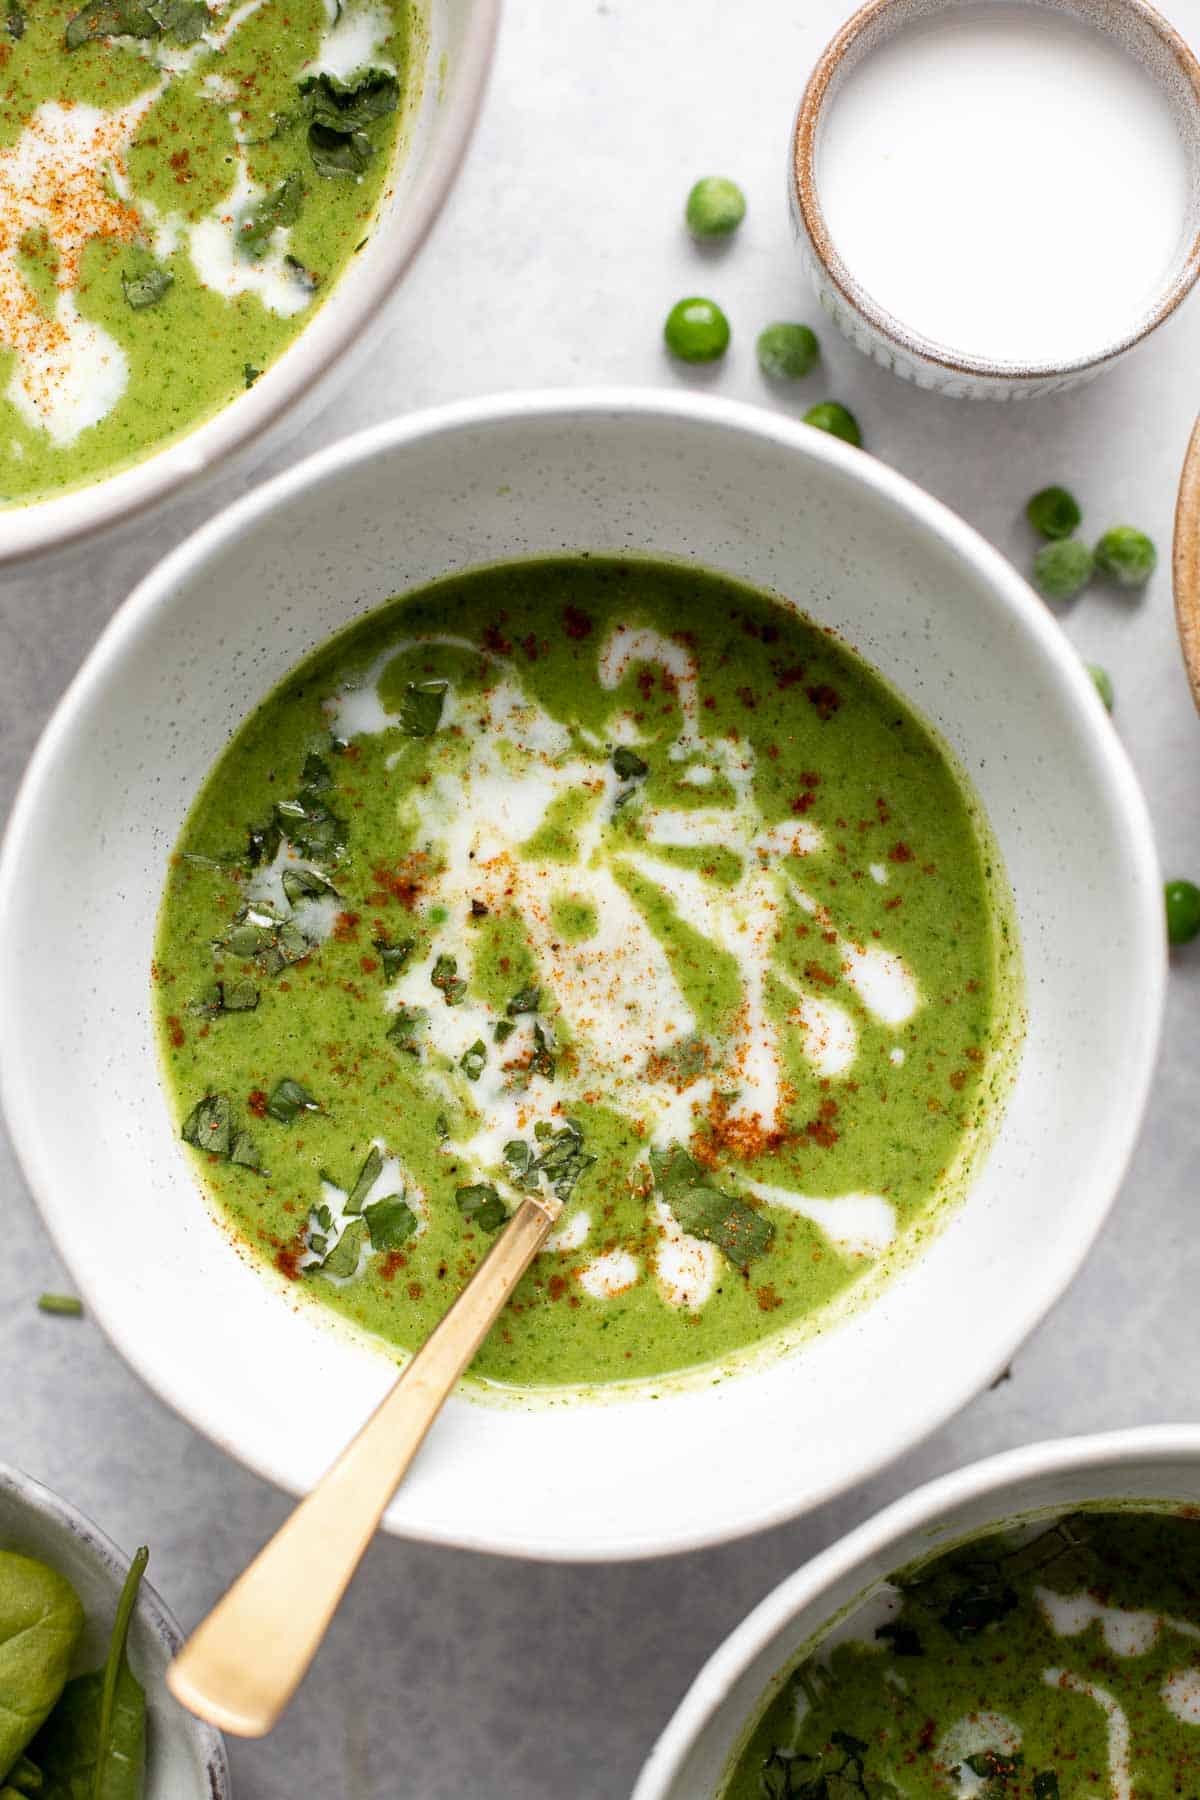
1138, 1446
1186, 564
35, 1497
305, 365
805, 194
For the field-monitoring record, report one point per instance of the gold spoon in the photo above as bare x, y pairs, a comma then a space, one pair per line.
240, 1667
1186, 563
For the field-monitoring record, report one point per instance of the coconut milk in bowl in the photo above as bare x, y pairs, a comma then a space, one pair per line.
1000, 198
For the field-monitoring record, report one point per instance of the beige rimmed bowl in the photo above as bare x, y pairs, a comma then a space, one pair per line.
899, 345
457, 39
941, 614
1152, 1467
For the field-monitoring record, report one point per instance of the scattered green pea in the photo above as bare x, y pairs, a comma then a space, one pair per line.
1062, 569
1104, 686
1183, 911
715, 207
1126, 556
786, 352
834, 418
696, 330
1054, 512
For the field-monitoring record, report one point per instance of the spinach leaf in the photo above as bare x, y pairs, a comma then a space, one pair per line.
391, 1222
94, 1744
65, 1306
365, 1180
41, 1621
421, 708
526, 1001
481, 1205
209, 1125
445, 976
22, 1779
473, 1060
702, 1210
403, 1029
343, 1259
305, 884
146, 289
258, 224
628, 764
393, 956
288, 1099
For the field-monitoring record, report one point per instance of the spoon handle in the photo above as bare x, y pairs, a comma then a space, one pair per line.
1187, 563
240, 1667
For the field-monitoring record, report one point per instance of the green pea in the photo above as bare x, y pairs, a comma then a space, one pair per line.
1104, 686
1183, 911
1126, 556
1063, 569
715, 207
696, 330
835, 419
786, 352
1054, 512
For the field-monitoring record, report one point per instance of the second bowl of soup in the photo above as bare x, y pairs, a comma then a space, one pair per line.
647, 804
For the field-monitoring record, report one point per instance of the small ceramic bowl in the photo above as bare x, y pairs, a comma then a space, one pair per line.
1151, 1465
456, 39
899, 344
665, 1466
185, 1758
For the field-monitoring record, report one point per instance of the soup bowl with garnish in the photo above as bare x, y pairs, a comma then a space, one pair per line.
645, 803
204, 208
1027, 1625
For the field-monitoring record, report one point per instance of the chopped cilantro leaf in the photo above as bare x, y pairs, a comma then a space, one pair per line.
342, 1261
288, 1100
628, 764
994, 1765
209, 1125
393, 956
421, 708
305, 884
1045, 1785
542, 1062
527, 1001
902, 1638
391, 1222
473, 1061
14, 23
365, 1180
339, 115
973, 1609
250, 374
702, 1210
281, 207
403, 1029
481, 1205
502, 1030
445, 976
110, 18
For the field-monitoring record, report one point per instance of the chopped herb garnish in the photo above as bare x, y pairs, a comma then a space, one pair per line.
305, 884
703, 1211
1045, 1785
181, 20
14, 24
391, 1222
527, 1001
209, 1125
301, 274
445, 976
262, 843
994, 1765
342, 1261
628, 764
281, 207
561, 1163
421, 708
481, 1205
441, 1126
973, 1609
542, 1062
902, 1638
64, 1306
245, 1152
365, 1180
403, 1029
146, 289
393, 956
518, 1156
340, 114
502, 1031
288, 1100
250, 374
110, 18
473, 1061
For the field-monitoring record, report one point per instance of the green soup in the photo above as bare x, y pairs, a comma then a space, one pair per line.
616, 883
1058, 1663
180, 187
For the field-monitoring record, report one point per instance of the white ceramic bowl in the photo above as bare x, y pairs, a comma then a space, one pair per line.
1153, 1463
900, 344
185, 1758
222, 620
457, 38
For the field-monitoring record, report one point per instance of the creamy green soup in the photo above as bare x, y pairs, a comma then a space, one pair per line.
616, 883
1061, 1662
181, 184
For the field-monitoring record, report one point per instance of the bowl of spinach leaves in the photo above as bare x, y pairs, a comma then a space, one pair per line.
84, 1646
